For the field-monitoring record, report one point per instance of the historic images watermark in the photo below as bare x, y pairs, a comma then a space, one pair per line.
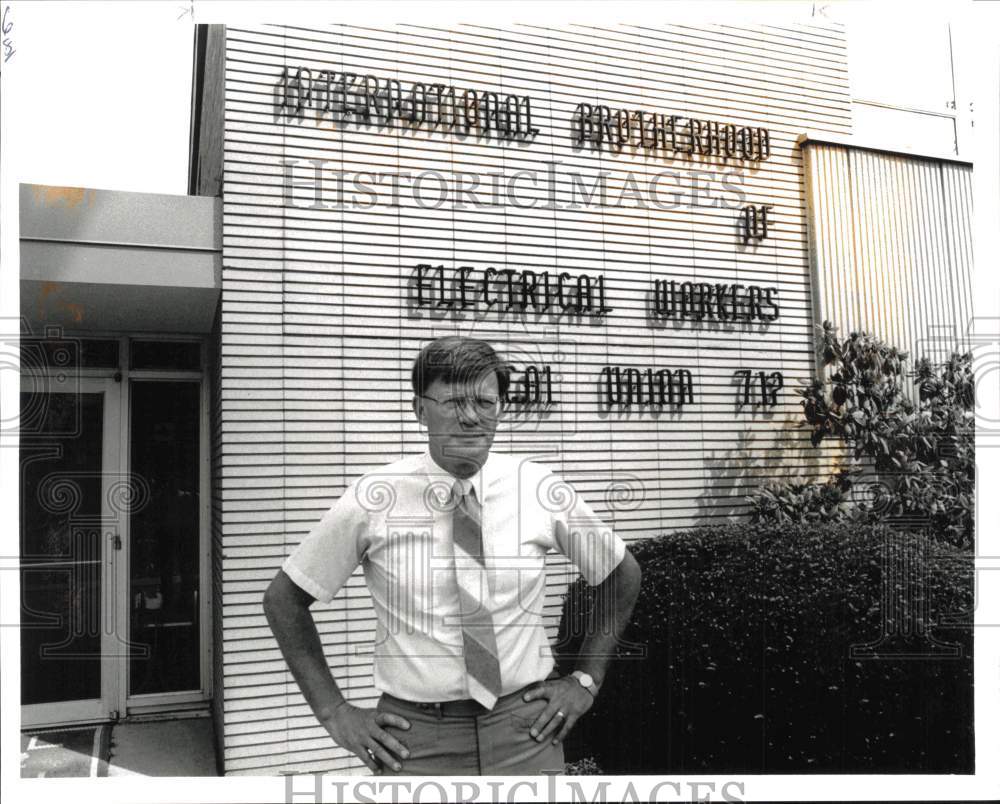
47, 363
72, 514
981, 339
414, 542
320, 788
324, 184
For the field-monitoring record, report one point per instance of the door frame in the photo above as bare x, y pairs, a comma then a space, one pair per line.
115, 689
61, 712
152, 703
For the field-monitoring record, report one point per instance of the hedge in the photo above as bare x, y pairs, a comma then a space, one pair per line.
738, 657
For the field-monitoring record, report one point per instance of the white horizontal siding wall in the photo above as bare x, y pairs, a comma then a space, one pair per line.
318, 333
892, 250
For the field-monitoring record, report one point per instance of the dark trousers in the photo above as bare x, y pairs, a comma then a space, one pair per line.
494, 743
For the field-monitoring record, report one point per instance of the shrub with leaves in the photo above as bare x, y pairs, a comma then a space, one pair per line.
777, 648
923, 455
806, 502
583, 767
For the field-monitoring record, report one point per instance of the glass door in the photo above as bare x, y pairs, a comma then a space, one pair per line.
164, 540
69, 547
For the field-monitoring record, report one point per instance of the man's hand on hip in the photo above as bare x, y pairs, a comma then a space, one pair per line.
360, 732
567, 702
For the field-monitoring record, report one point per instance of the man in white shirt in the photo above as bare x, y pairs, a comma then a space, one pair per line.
453, 545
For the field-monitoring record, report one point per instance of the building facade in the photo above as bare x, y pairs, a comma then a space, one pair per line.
649, 222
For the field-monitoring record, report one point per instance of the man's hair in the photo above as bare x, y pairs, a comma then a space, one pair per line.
457, 359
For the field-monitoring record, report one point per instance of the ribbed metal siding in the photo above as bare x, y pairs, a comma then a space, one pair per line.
314, 296
891, 246
218, 617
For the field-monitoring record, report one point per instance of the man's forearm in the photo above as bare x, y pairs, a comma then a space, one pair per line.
614, 600
295, 630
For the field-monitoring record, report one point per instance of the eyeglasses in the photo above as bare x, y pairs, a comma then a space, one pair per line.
486, 406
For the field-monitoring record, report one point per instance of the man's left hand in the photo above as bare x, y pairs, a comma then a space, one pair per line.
567, 702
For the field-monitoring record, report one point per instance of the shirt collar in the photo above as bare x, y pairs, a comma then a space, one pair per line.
478, 480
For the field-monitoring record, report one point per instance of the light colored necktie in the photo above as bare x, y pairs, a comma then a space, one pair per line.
479, 638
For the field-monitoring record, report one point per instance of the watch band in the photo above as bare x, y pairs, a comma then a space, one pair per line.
586, 681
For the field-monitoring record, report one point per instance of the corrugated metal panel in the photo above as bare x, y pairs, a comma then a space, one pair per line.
891, 252
206, 166
318, 338
218, 563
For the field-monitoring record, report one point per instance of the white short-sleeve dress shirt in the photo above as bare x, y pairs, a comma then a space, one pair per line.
396, 522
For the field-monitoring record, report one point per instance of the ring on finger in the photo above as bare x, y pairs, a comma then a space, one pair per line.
560, 714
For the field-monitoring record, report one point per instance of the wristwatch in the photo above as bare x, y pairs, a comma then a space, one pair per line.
586, 681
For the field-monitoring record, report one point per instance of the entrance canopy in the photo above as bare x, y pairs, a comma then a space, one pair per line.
110, 260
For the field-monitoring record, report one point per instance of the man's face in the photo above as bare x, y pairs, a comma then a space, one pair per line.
461, 420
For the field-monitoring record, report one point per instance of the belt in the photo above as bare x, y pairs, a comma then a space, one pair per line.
465, 707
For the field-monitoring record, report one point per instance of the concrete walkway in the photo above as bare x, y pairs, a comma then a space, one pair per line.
71, 751
184, 747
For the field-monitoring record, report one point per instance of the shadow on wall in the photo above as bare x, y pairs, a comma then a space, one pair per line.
757, 458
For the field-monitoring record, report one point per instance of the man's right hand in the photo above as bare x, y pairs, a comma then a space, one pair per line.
360, 732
